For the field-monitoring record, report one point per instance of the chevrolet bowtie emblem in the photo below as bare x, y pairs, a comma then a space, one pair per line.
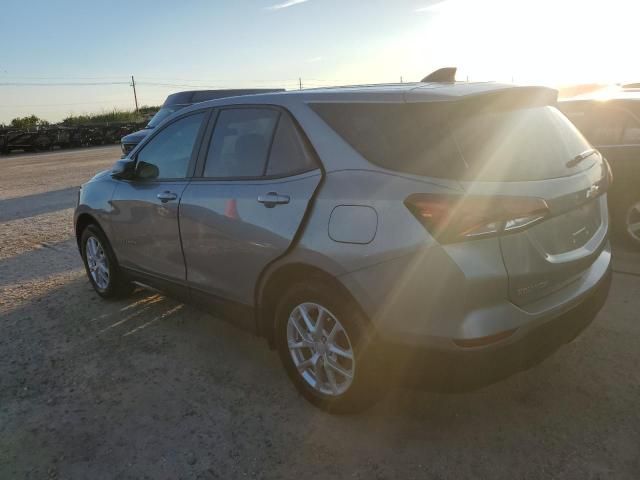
593, 191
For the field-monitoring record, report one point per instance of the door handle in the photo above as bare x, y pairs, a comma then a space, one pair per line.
166, 196
272, 199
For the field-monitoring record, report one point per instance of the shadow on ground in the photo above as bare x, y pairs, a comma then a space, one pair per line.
37, 204
147, 387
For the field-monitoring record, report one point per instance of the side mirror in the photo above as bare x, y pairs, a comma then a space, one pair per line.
124, 169
146, 171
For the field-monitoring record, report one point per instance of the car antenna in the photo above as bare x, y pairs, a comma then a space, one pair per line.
442, 75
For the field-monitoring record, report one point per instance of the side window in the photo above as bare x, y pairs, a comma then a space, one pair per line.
290, 152
167, 155
615, 126
631, 134
240, 143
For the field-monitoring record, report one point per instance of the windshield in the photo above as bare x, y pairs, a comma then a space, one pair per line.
163, 113
438, 140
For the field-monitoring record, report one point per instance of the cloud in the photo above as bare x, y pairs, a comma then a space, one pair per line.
287, 4
315, 59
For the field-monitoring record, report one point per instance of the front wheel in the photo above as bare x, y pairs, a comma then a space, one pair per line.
101, 265
324, 344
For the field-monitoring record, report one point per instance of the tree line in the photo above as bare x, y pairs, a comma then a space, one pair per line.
115, 115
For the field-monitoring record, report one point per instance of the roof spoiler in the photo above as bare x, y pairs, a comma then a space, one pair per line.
442, 75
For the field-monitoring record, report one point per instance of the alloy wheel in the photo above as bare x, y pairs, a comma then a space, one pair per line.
321, 349
98, 263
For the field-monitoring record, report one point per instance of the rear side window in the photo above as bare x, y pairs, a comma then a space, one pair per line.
407, 137
451, 141
290, 152
241, 142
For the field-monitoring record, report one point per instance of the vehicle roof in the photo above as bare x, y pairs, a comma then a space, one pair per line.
627, 94
395, 92
194, 96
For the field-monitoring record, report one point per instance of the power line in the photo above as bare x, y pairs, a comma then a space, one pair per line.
171, 85
63, 77
209, 80
63, 104
70, 84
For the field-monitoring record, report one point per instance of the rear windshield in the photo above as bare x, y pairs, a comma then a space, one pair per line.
448, 141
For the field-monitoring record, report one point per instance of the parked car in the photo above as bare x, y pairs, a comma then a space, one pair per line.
613, 127
456, 230
176, 101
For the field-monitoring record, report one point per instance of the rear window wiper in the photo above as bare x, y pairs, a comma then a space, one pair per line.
580, 157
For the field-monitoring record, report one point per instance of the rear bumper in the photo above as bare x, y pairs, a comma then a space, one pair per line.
452, 368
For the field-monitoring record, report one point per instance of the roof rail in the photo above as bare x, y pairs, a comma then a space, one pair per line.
442, 75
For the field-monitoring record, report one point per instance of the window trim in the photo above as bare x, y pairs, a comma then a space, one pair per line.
208, 137
195, 152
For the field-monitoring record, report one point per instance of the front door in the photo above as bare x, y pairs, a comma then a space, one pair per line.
243, 212
145, 210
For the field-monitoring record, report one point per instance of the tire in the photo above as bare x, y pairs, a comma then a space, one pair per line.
627, 222
344, 395
116, 284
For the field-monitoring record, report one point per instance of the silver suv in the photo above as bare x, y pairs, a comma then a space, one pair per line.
456, 232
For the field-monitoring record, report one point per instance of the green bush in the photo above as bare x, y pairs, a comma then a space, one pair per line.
28, 122
114, 115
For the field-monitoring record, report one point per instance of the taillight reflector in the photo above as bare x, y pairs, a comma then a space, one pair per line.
454, 218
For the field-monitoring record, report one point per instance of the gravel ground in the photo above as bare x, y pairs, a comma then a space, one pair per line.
151, 388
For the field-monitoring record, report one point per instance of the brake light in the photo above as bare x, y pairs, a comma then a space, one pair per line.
454, 218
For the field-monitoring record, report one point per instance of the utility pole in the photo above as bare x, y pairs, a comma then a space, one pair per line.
300, 82
401, 79
135, 97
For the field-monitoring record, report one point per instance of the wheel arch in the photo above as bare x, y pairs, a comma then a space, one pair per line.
83, 221
277, 281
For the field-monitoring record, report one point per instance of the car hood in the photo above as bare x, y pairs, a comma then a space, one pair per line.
136, 137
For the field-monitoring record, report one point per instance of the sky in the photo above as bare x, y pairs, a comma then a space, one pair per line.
171, 46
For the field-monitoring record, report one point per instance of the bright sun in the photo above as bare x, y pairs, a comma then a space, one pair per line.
547, 41
553, 42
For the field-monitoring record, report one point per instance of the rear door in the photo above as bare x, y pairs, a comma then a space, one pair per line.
144, 217
256, 181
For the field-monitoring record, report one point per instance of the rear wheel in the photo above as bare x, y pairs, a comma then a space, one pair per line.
101, 265
325, 347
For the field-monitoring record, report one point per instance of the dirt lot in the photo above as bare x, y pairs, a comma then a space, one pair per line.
149, 388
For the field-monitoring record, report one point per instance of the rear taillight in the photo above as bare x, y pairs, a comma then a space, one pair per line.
455, 218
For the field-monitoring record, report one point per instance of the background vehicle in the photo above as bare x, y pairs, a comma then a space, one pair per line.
613, 127
176, 101
449, 229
